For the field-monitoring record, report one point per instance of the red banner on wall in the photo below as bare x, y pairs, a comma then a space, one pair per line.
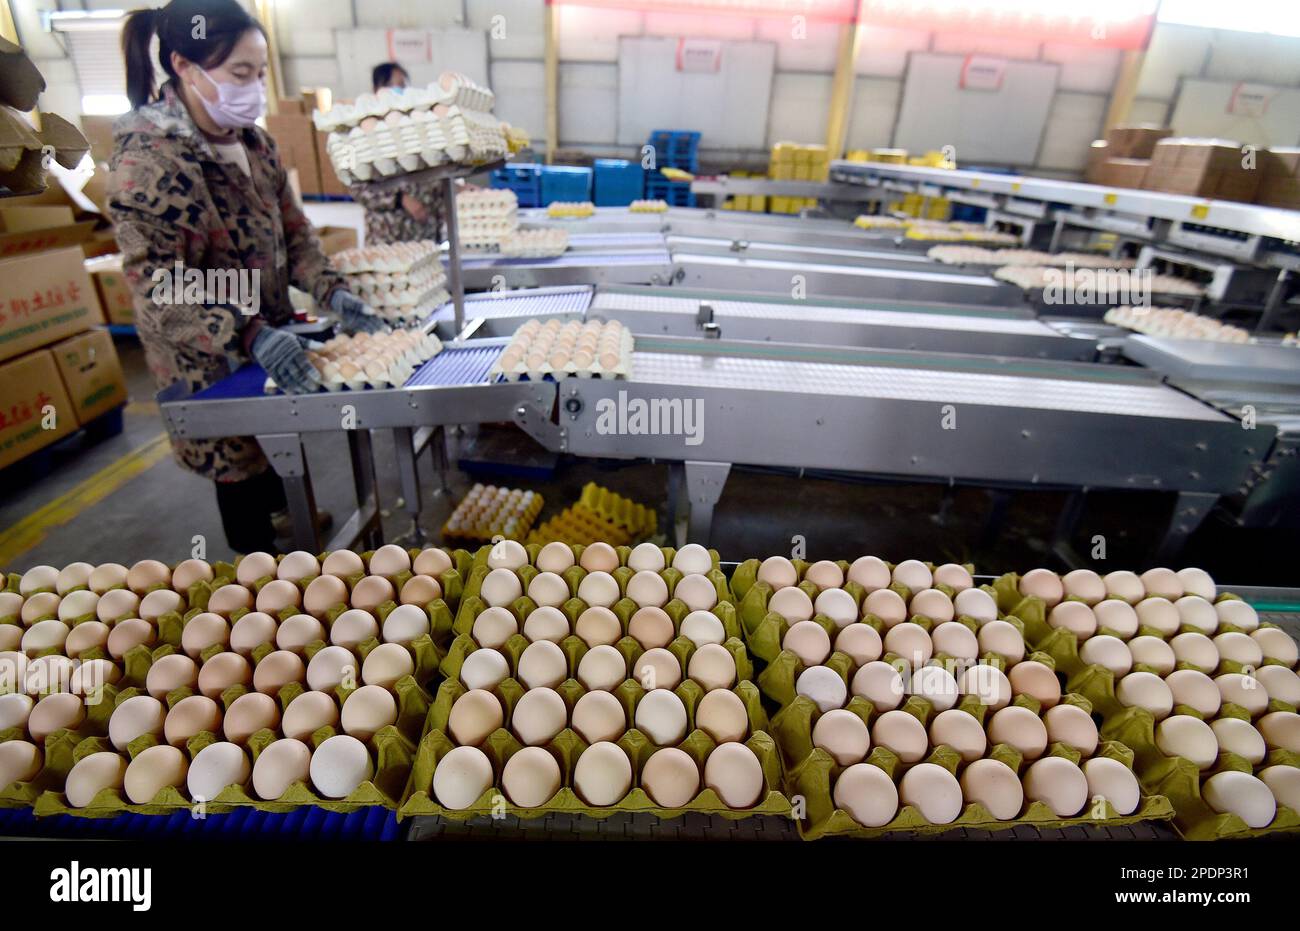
1102, 23
840, 11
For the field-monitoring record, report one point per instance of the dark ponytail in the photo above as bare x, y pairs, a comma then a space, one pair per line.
201, 31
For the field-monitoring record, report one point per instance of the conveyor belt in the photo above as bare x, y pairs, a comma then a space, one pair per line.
760, 310
455, 365
1205, 360
534, 303
692, 370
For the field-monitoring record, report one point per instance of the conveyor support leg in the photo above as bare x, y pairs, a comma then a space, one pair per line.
363, 478
285, 453
1190, 510
404, 445
704, 481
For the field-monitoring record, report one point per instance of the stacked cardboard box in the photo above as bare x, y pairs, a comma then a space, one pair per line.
1135, 141
1279, 181
114, 293
1123, 172
91, 373
295, 137
1214, 168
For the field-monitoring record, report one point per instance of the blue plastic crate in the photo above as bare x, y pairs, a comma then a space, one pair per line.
673, 193
565, 182
676, 149
617, 182
525, 180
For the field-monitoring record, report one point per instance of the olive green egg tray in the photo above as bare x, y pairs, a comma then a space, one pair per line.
567, 746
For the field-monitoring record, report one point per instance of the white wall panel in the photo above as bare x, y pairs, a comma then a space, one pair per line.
521, 96
1145, 110
588, 103
62, 95
523, 25
409, 14
311, 72
875, 107
1072, 123
697, 26
816, 51
306, 27
800, 104
1202, 110
590, 34
1250, 56
956, 43
1084, 69
359, 50
882, 52
1175, 51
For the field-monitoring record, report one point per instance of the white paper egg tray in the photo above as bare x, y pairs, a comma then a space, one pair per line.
491, 202
450, 89
381, 360
539, 243
403, 143
423, 278
1037, 277
403, 258
553, 350
487, 232
1175, 323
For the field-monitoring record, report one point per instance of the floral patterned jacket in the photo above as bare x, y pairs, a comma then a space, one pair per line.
387, 220
172, 200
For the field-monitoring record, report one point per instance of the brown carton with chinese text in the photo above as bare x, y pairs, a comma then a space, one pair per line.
91, 373
114, 293
44, 297
34, 406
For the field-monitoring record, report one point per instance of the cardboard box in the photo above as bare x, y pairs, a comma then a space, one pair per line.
295, 138
34, 227
1279, 182
98, 131
1098, 152
34, 407
329, 181
1123, 172
22, 219
115, 294
337, 238
44, 298
1203, 168
1135, 141
91, 373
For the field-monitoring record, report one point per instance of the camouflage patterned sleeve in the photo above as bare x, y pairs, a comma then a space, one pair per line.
156, 221
309, 269
375, 198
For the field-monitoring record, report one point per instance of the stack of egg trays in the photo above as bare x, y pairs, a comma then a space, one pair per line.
1175, 777
392, 745
567, 746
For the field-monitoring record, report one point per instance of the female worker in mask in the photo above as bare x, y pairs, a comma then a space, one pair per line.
411, 211
195, 185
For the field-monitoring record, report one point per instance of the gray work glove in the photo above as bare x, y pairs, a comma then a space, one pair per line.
357, 317
285, 360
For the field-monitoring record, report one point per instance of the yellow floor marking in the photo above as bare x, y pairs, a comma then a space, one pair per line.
31, 530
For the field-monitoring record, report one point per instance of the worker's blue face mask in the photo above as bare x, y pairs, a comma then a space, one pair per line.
397, 88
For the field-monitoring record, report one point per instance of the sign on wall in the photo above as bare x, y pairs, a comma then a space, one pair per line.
980, 73
699, 56
410, 45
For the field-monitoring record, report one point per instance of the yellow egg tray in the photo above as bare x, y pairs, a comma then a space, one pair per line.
494, 522
560, 210
578, 525
637, 519
1178, 778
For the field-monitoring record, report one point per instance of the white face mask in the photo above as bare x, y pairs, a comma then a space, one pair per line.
237, 105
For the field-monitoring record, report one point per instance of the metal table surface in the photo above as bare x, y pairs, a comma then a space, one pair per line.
638, 257
1205, 360
865, 253
824, 279
938, 328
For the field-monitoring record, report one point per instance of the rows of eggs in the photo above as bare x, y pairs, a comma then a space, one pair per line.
1175, 322
379, 357
392, 258
556, 344
335, 768
450, 88
486, 202
1037, 277
570, 209
534, 243
1178, 672
486, 508
603, 774
865, 790
426, 276
648, 206
410, 141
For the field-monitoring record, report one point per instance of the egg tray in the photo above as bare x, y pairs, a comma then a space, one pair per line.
765, 629
392, 751
472, 605
567, 746
578, 525
634, 518
494, 526
813, 779
778, 678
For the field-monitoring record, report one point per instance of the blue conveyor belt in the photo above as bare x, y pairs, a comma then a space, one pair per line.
456, 366
520, 303
248, 382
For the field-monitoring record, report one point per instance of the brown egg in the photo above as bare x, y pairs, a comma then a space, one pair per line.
276, 670
389, 559
277, 595
599, 557
230, 598
251, 631
202, 631
420, 590
325, 592
108, 576
169, 673
254, 567
129, 633
190, 716
83, 637
147, 574
189, 572
117, 604
342, 564
222, 671
371, 592
308, 713
433, 562
297, 566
